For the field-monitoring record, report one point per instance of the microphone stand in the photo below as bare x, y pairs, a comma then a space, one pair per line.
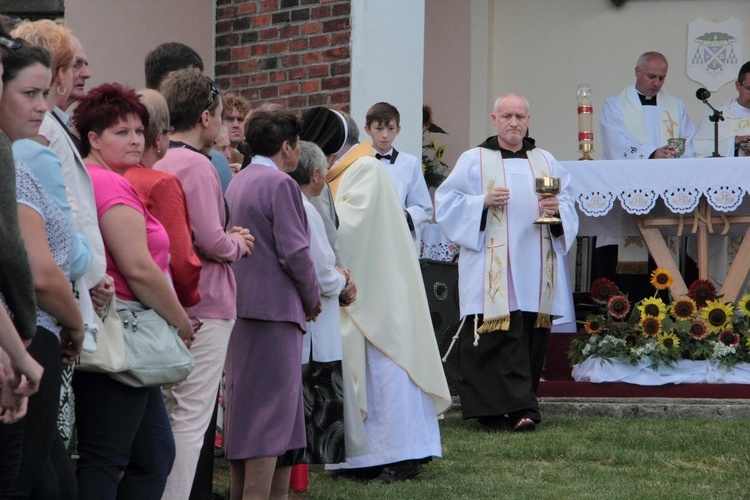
715, 117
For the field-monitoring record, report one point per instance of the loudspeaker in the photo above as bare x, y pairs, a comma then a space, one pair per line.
441, 286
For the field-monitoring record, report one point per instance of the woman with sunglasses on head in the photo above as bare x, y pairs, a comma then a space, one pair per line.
125, 444
44, 469
164, 198
195, 113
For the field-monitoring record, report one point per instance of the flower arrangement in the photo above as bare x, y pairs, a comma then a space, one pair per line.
434, 169
700, 326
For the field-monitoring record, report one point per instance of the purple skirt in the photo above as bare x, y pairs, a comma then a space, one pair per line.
264, 414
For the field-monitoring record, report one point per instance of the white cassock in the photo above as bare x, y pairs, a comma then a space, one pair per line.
406, 172
459, 203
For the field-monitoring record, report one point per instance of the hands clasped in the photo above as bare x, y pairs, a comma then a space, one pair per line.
247, 238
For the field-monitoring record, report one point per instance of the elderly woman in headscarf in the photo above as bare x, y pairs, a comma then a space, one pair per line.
332, 419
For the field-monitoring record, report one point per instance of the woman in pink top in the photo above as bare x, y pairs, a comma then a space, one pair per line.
195, 113
122, 428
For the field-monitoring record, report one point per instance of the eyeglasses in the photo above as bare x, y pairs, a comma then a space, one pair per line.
11, 43
168, 131
215, 90
744, 87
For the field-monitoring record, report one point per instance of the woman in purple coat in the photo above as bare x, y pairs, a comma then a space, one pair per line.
277, 292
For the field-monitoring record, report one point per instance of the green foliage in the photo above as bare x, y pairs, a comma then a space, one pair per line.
434, 169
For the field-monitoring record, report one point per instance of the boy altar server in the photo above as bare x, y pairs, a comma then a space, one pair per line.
383, 124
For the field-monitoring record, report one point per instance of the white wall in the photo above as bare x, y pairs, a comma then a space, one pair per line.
545, 48
117, 35
387, 64
546, 55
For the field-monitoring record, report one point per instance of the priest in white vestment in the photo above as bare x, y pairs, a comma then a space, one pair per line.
734, 130
387, 334
509, 286
637, 123
734, 140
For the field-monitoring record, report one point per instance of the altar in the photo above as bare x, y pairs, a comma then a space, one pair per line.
698, 197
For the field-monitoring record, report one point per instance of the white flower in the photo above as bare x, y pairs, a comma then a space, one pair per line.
721, 350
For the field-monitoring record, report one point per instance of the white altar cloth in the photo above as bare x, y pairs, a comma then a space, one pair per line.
685, 371
618, 187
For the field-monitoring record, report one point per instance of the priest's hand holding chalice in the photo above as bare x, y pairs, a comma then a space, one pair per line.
548, 188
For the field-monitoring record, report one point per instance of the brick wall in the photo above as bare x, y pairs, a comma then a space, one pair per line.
292, 52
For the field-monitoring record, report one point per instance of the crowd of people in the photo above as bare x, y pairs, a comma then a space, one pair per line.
284, 251
233, 229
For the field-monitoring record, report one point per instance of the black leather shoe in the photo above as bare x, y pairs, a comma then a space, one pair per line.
399, 471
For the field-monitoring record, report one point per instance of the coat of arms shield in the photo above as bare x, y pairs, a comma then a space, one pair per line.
714, 52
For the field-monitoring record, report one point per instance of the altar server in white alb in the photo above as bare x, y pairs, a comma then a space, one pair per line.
734, 130
509, 285
383, 124
637, 123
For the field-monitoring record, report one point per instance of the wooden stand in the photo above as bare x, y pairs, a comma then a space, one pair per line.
703, 223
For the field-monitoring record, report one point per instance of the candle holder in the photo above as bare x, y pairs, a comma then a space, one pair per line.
585, 122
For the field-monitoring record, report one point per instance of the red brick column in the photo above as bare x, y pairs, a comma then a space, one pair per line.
292, 52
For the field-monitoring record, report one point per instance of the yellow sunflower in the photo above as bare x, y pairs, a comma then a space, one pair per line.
717, 315
668, 341
744, 304
593, 326
661, 279
653, 306
650, 326
684, 308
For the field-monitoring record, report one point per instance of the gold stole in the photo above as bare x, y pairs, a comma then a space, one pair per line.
635, 121
495, 297
334, 174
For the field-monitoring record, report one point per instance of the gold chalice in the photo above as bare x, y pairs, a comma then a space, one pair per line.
546, 187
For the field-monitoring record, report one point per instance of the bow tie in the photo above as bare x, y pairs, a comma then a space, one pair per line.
382, 157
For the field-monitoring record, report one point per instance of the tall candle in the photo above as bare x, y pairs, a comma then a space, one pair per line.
585, 119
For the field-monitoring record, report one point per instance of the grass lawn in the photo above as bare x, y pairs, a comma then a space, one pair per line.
568, 458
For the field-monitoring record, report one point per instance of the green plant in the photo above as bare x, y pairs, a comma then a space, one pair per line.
434, 169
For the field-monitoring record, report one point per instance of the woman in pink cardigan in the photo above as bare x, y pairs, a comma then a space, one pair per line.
195, 113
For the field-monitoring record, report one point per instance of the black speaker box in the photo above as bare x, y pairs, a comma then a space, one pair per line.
441, 286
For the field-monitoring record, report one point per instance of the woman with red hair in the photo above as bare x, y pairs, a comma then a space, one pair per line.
122, 429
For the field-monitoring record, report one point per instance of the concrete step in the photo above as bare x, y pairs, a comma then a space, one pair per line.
647, 407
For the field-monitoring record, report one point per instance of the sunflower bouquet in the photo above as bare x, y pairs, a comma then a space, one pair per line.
700, 326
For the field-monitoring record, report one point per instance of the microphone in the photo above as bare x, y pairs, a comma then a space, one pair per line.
702, 94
